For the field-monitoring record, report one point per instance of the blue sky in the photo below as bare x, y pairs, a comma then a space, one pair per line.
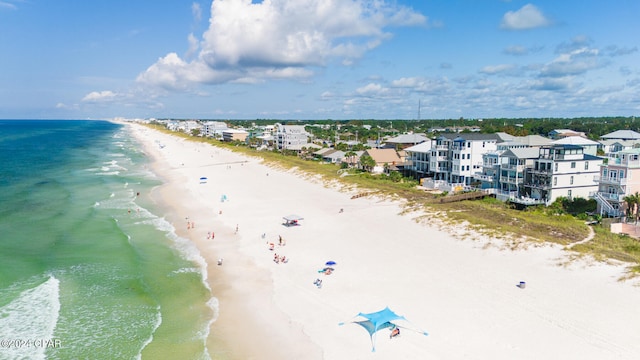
319, 59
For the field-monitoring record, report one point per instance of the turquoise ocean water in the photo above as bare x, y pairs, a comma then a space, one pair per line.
88, 270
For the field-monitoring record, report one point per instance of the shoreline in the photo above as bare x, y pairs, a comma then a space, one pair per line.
463, 294
226, 339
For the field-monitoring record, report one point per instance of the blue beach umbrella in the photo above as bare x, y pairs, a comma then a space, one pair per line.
329, 263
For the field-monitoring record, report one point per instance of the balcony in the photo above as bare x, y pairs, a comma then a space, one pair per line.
539, 171
610, 180
510, 166
539, 185
630, 163
511, 180
482, 177
612, 197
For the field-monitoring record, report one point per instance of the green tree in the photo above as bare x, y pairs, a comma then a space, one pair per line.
350, 158
633, 201
367, 162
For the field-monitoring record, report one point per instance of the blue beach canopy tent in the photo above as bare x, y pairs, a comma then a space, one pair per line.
380, 320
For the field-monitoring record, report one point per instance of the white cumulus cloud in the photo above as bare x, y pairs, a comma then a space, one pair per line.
100, 96
528, 17
498, 69
252, 42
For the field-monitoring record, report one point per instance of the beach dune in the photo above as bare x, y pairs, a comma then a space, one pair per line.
463, 293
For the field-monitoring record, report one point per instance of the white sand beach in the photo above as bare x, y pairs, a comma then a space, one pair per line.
460, 291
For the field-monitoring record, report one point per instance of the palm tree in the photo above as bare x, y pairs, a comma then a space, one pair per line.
633, 201
367, 162
350, 156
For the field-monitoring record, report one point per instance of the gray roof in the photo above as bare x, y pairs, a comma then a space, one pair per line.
576, 140
625, 143
622, 135
422, 147
523, 153
324, 151
337, 154
408, 139
534, 140
473, 136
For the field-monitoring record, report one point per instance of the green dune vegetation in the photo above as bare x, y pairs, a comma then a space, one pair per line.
564, 222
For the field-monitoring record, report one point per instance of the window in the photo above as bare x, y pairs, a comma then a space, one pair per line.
571, 180
586, 165
573, 164
621, 174
569, 194
555, 167
555, 181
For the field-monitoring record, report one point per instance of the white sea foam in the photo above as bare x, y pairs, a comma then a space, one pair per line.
214, 305
112, 164
186, 270
153, 331
31, 317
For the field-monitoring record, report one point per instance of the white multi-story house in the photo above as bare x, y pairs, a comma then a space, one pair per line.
561, 171
290, 137
456, 158
417, 160
489, 177
185, 126
512, 167
213, 128
619, 177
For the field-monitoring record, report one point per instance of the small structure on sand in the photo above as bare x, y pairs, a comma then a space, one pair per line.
292, 220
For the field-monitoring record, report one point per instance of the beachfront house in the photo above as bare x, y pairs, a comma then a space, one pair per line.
509, 165
512, 168
329, 155
456, 158
417, 160
618, 178
385, 159
290, 137
234, 135
213, 129
560, 171
185, 126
